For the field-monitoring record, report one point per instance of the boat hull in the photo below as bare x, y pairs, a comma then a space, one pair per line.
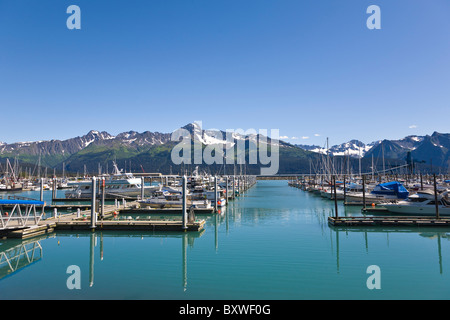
370, 198
428, 210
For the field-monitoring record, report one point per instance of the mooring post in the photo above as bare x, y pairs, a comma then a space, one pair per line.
184, 207
41, 198
54, 189
142, 188
93, 202
226, 189
239, 185
234, 186
364, 191
335, 197
215, 194
331, 186
436, 197
103, 197
345, 190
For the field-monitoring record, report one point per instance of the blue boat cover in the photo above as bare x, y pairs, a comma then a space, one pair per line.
23, 202
393, 187
447, 181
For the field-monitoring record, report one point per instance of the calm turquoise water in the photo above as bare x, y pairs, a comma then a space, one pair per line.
273, 243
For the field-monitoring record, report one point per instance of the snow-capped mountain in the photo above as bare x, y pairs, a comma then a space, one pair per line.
73, 145
216, 136
353, 148
152, 149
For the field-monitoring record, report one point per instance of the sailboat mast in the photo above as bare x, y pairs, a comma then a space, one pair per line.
360, 162
384, 169
372, 167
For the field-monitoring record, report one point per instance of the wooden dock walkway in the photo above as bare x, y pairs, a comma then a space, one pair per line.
126, 225
404, 221
82, 221
164, 211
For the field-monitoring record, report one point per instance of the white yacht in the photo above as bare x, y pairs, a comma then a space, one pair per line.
117, 185
200, 192
421, 203
351, 188
390, 191
221, 198
164, 199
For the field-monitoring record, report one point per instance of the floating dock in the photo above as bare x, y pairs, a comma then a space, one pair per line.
82, 221
403, 221
150, 225
32, 231
18, 222
164, 211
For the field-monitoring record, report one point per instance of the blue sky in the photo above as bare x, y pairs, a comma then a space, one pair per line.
310, 68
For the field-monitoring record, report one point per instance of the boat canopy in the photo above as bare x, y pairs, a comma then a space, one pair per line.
393, 187
21, 202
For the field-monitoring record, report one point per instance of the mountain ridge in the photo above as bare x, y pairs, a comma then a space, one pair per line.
432, 149
152, 150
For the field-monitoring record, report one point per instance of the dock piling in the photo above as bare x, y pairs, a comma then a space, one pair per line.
93, 202
364, 191
54, 189
234, 187
226, 188
345, 190
184, 213
335, 197
436, 203
215, 194
41, 198
103, 199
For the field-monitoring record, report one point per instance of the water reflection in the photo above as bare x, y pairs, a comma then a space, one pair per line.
15, 256
286, 232
433, 234
18, 254
187, 239
324, 208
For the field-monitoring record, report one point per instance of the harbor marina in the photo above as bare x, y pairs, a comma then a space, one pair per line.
235, 256
107, 216
416, 207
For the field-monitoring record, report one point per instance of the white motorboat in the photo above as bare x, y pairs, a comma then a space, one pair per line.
221, 198
390, 191
117, 185
349, 189
421, 203
199, 192
164, 199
